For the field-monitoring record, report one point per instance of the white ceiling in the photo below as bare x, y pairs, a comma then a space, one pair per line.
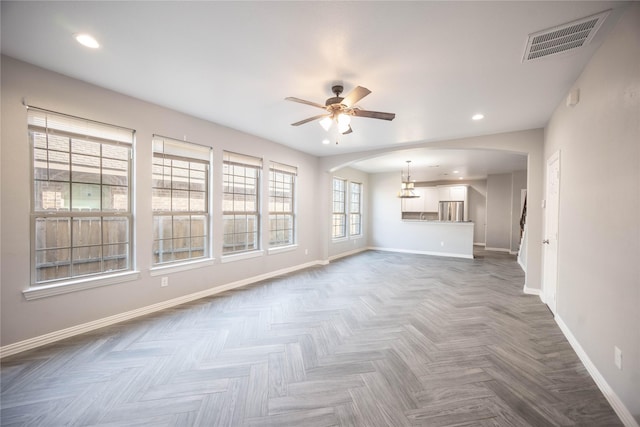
434, 64
445, 165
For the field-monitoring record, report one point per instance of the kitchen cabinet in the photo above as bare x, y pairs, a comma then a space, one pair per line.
431, 199
427, 202
454, 193
458, 193
414, 205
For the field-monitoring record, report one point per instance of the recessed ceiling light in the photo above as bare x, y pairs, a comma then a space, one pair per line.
87, 40
456, 171
326, 142
477, 116
461, 177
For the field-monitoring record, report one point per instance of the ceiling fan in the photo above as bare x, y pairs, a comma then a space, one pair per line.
340, 110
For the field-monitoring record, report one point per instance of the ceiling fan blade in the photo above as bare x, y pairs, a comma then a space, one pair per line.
310, 119
355, 95
373, 114
302, 101
348, 131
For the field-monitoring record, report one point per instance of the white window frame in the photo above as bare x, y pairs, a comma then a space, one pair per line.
231, 184
52, 165
339, 208
170, 156
279, 200
355, 208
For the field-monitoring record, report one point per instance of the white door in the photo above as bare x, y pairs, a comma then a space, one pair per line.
550, 241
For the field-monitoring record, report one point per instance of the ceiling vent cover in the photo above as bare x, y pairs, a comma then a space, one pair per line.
563, 38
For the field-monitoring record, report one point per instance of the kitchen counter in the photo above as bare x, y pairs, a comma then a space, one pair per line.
433, 237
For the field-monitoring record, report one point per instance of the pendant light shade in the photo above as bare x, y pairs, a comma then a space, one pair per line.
326, 123
342, 121
407, 186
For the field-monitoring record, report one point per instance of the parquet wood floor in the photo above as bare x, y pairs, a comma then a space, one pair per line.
375, 339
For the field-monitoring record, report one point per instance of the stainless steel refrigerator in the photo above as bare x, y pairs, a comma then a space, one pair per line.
451, 211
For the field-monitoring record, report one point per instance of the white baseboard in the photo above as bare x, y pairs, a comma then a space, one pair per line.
479, 244
41, 340
522, 266
531, 291
406, 251
345, 254
498, 250
613, 399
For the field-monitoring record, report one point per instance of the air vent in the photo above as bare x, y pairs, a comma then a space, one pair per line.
563, 38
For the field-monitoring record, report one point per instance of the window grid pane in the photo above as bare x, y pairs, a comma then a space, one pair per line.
339, 223
81, 198
180, 202
355, 209
281, 205
240, 204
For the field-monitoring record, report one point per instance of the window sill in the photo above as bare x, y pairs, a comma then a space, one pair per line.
159, 270
340, 239
45, 291
279, 249
241, 256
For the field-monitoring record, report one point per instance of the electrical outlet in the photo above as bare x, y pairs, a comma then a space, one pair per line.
164, 281
306, 251
617, 357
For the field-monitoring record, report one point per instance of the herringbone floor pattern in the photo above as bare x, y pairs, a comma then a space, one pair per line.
376, 339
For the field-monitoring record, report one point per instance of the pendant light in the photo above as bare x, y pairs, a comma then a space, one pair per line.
406, 187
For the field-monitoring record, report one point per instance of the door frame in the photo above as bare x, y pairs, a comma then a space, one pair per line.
550, 290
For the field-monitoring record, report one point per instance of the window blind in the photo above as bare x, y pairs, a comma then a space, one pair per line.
182, 149
242, 159
51, 122
280, 167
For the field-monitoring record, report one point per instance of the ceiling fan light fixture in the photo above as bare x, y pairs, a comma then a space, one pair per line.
326, 123
343, 121
341, 109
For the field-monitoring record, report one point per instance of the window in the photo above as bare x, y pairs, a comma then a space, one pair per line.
180, 200
339, 223
241, 215
282, 179
355, 209
81, 206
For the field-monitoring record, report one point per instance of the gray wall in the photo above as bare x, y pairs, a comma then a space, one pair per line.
503, 210
477, 196
499, 192
518, 183
22, 319
598, 295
